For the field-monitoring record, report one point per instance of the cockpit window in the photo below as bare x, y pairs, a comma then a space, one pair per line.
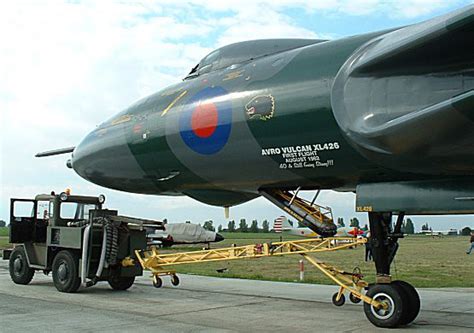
206, 64
234, 54
209, 61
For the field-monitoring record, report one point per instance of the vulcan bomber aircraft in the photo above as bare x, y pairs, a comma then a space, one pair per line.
387, 115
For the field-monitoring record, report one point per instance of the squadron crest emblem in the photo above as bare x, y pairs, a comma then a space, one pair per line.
261, 107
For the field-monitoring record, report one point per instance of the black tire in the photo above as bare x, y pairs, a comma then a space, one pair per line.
20, 271
121, 282
339, 302
66, 272
174, 280
157, 282
393, 296
412, 302
354, 299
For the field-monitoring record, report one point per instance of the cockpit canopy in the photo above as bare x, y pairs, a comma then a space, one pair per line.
242, 52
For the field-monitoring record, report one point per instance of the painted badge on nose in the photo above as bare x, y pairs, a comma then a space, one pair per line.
205, 123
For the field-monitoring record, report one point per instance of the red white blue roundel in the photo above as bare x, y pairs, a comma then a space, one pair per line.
205, 122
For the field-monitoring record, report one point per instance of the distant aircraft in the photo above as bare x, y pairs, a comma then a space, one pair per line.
350, 232
387, 115
281, 224
450, 232
182, 233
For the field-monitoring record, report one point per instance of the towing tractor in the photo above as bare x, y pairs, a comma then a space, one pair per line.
76, 239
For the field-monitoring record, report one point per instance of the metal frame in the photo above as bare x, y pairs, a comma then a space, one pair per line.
158, 264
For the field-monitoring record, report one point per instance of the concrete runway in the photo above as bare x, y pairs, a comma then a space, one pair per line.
205, 304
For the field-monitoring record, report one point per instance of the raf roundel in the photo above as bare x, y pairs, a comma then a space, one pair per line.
205, 123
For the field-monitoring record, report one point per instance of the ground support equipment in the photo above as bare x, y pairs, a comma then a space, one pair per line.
351, 282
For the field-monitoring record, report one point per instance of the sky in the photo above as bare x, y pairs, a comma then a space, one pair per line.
67, 66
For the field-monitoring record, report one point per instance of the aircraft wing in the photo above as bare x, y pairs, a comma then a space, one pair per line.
413, 37
409, 92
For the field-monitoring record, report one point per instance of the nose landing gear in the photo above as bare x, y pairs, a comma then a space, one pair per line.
396, 303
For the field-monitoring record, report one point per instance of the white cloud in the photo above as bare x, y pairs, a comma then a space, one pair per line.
416, 8
251, 23
396, 8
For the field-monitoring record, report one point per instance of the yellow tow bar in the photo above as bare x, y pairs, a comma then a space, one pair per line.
158, 264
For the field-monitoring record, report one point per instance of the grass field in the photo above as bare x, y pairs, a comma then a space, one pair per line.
3, 237
421, 260
3, 231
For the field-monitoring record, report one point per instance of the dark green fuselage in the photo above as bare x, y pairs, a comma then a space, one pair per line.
266, 122
302, 116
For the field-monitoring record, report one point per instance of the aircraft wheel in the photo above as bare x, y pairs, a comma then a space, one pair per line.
20, 271
354, 299
412, 302
66, 272
121, 282
339, 302
174, 280
392, 296
157, 282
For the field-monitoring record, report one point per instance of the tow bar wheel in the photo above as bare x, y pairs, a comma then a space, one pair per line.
391, 314
157, 281
338, 299
174, 280
354, 299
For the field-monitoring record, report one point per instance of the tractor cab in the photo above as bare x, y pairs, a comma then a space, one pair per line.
29, 218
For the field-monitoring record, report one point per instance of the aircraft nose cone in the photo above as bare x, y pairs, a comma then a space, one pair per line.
104, 158
90, 158
219, 237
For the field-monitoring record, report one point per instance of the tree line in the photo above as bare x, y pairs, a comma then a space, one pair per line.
408, 227
241, 227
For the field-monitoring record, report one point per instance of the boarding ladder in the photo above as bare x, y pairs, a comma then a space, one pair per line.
317, 218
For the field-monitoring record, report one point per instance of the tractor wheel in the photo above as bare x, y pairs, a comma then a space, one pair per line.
20, 271
121, 282
66, 272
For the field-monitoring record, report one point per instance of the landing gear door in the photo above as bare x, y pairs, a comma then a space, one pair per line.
22, 220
